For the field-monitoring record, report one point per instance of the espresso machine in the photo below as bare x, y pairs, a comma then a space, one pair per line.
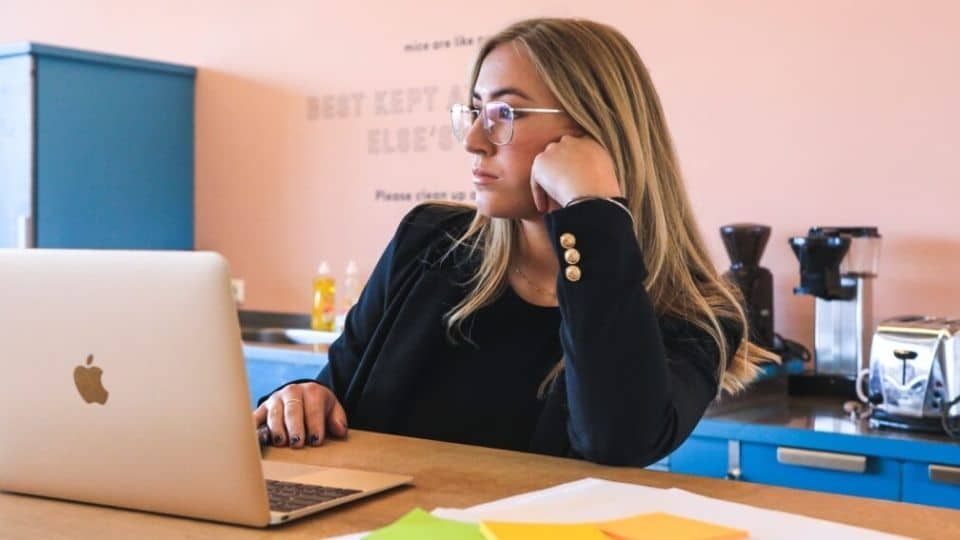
838, 266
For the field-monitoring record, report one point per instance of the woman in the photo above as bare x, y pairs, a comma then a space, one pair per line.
575, 311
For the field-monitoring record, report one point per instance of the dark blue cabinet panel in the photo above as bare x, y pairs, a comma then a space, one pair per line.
112, 151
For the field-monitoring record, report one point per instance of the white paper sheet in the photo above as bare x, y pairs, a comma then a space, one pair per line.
592, 499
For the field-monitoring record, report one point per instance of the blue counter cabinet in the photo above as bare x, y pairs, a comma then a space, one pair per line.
701, 456
96, 150
808, 443
820, 470
931, 483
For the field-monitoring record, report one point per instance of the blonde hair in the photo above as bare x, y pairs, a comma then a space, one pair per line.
600, 81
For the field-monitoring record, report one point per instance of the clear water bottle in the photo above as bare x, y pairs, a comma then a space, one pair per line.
351, 287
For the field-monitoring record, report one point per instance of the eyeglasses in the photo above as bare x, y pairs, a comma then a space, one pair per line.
497, 119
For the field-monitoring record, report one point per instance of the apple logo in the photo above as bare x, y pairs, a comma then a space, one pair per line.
88, 383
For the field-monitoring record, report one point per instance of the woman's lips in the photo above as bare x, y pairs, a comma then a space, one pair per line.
481, 177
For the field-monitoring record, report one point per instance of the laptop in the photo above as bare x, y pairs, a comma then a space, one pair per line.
124, 384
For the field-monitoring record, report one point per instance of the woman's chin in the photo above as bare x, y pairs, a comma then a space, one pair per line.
486, 209
497, 207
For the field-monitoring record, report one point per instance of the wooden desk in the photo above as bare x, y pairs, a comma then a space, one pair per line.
451, 475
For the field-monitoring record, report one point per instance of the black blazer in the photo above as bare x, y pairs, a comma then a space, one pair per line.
634, 385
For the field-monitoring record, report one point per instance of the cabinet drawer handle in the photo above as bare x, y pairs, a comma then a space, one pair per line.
822, 460
945, 474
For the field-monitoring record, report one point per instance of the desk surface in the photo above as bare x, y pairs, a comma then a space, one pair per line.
451, 475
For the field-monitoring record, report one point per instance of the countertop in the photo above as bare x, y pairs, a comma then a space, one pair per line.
769, 414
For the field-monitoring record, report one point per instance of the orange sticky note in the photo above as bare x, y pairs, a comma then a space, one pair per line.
496, 530
660, 525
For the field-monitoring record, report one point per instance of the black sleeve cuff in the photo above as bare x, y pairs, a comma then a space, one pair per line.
594, 240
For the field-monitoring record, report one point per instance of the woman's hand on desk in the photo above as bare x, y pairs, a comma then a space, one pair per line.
300, 414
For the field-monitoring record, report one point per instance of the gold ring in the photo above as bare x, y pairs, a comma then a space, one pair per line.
289, 401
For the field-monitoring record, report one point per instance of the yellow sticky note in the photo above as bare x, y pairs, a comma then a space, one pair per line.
495, 530
660, 525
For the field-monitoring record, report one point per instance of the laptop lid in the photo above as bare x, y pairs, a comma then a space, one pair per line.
124, 383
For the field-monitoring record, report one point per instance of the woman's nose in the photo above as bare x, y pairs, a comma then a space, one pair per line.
476, 141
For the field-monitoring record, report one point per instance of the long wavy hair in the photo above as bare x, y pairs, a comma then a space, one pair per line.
600, 81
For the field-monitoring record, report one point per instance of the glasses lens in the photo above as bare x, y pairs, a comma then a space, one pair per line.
461, 119
498, 122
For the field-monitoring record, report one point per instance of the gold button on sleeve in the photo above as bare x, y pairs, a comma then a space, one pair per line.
568, 240
572, 256
572, 273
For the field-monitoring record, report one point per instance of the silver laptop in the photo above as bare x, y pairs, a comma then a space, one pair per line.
124, 384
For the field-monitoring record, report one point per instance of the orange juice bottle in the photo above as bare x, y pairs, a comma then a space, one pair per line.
323, 315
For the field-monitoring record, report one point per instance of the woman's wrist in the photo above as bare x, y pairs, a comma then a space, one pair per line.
569, 199
582, 198
616, 200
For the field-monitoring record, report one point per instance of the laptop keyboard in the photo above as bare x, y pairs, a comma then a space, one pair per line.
290, 496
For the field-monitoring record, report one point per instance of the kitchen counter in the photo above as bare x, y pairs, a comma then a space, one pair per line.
807, 442
770, 410
764, 436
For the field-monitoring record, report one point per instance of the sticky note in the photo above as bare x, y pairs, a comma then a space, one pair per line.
660, 525
498, 530
418, 524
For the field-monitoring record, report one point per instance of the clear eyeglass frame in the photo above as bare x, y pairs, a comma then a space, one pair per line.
498, 120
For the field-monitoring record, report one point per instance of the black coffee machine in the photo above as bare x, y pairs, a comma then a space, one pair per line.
838, 266
745, 243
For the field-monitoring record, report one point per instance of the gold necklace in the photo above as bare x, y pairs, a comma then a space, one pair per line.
532, 284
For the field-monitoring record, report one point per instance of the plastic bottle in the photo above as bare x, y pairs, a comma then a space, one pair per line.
351, 288
323, 316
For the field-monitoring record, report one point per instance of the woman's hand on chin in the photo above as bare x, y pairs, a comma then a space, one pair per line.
569, 168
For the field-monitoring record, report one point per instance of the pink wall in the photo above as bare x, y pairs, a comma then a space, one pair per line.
786, 113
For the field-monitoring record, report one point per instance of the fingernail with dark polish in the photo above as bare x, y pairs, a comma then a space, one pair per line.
314, 439
294, 440
277, 439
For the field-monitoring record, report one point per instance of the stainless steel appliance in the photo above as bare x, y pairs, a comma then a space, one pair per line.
914, 374
838, 266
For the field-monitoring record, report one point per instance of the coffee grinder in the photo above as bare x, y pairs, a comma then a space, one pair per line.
745, 243
838, 266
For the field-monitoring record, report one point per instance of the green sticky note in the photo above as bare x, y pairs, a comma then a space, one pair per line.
422, 525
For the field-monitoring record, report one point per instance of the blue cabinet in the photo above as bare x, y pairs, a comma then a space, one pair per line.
811, 445
834, 472
702, 456
931, 483
96, 151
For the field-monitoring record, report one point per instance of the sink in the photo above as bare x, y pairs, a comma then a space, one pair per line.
265, 335
289, 336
